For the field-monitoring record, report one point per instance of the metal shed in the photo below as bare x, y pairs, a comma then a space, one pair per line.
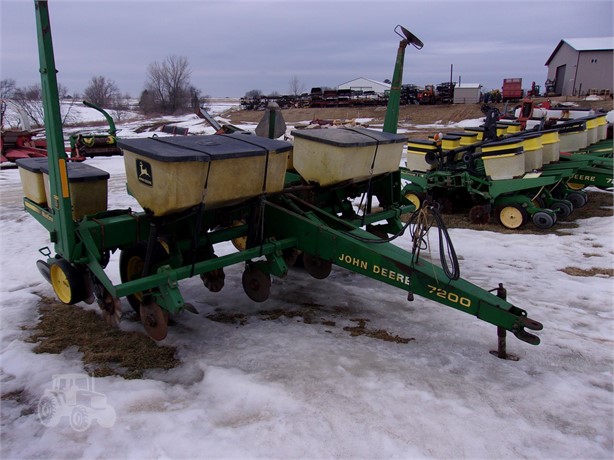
580, 66
365, 84
467, 93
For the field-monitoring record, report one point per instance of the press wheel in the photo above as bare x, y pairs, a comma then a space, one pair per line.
131, 264
562, 208
110, 306
154, 319
512, 216
256, 284
543, 220
577, 199
316, 267
67, 281
479, 214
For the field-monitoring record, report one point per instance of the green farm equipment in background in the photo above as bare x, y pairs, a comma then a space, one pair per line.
83, 145
516, 176
199, 191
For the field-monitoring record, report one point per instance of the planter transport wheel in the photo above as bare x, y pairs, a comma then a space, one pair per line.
316, 267
414, 199
543, 220
256, 284
154, 319
68, 282
512, 216
575, 186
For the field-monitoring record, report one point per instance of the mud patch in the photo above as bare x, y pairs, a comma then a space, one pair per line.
575, 271
314, 314
105, 350
380, 334
228, 318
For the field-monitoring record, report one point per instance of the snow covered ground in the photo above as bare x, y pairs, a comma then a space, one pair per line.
286, 388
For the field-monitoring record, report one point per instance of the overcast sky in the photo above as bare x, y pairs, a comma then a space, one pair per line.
237, 46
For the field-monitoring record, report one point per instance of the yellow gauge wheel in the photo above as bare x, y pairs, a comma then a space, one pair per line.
511, 216
575, 186
241, 242
68, 283
413, 199
134, 270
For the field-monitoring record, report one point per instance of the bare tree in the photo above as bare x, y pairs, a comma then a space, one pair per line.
296, 86
102, 91
253, 93
168, 84
29, 100
7, 89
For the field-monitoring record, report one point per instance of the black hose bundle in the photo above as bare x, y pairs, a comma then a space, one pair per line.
420, 223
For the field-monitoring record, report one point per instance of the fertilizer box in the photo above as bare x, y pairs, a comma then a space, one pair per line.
167, 175
329, 156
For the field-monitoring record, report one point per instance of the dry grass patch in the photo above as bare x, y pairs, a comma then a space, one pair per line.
106, 350
575, 271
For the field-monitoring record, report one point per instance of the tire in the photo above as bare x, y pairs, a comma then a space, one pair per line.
562, 209
578, 199
414, 199
543, 220
512, 216
131, 263
80, 419
49, 411
68, 282
574, 186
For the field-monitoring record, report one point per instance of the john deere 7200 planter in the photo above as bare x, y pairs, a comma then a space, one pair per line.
274, 200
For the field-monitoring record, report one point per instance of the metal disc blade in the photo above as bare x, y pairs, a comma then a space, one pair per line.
155, 320
316, 267
256, 284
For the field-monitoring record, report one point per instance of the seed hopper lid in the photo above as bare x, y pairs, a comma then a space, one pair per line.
80, 172
32, 164
571, 126
203, 148
463, 134
507, 146
349, 137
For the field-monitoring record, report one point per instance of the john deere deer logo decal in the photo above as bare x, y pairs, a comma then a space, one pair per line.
143, 172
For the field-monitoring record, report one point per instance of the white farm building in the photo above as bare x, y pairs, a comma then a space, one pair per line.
365, 84
467, 93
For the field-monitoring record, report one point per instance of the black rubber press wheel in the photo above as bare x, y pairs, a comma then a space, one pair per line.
131, 263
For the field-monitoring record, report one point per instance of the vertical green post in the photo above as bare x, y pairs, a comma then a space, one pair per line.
394, 99
58, 176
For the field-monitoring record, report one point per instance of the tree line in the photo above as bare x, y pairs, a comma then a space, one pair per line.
168, 90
